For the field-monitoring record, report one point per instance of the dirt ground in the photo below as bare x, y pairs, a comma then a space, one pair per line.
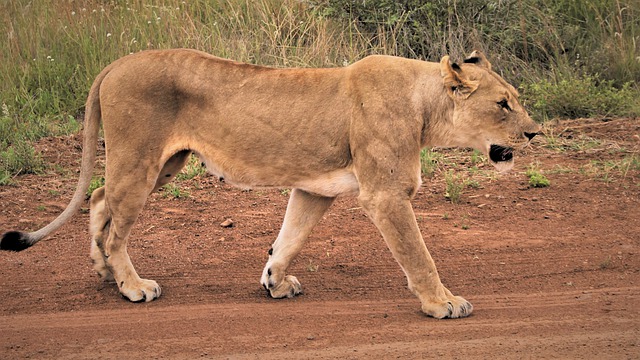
553, 272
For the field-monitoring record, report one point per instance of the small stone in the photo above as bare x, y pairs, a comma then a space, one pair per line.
227, 223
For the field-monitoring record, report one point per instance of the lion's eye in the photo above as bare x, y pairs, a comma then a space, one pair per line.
504, 104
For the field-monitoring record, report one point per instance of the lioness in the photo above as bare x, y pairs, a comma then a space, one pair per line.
356, 130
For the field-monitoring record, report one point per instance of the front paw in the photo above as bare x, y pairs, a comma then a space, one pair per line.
287, 288
140, 291
453, 307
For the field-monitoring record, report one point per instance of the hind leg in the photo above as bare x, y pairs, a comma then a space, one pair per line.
99, 230
124, 202
171, 168
115, 209
100, 219
303, 213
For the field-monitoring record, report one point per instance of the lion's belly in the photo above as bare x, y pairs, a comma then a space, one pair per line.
336, 183
340, 182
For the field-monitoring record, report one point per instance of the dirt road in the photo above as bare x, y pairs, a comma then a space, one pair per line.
552, 272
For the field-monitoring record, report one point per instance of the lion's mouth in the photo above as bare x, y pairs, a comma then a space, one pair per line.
499, 154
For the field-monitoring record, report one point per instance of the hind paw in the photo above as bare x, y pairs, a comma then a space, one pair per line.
141, 291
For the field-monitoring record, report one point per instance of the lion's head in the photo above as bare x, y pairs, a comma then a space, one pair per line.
487, 115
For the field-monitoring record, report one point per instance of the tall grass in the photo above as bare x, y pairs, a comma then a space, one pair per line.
523, 36
562, 46
51, 51
55, 51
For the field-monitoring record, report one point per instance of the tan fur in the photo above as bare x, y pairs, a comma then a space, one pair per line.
356, 130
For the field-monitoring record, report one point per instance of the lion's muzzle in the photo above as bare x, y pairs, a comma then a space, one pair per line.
499, 153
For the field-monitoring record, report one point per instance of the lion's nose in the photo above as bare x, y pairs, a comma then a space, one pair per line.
530, 136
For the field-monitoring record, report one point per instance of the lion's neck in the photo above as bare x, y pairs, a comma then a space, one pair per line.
438, 129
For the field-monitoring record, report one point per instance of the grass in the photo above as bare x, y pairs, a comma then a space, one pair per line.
630, 162
607, 263
569, 58
454, 185
285, 192
609, 170
311, 267
193, 169
96, 182
560, 143
174, 191
580, 96
20, 159
536, 178
430, 161
51, 54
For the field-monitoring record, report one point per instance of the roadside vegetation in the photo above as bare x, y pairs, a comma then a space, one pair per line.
568, 58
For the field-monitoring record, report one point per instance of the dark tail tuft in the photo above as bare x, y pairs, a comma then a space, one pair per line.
15, 241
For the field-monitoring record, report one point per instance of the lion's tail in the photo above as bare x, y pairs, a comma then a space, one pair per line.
18, 240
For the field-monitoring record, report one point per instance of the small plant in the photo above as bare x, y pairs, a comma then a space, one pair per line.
630, 163
429, 162
174, 191
474, 184
193, 169
454, 186
19, 159
464, 222
536, 179
311, 267
5, 177
477, 158
96, 182
606, 263
285, 192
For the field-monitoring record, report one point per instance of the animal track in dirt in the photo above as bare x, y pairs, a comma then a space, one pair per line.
552, 272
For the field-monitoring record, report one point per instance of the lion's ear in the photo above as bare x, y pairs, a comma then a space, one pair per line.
455, 81
478, 58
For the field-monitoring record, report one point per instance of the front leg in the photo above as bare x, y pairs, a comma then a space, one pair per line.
395, 219
303, 213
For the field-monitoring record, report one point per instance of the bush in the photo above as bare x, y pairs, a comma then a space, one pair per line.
580, 97
521, 37
536, 178
574, 58
19, 159
49, 64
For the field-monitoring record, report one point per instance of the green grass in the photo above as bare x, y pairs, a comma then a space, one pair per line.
609, 170
454, 185
580, 96
630, 162
173, 190
193, 169
51, 54
96, 182
21, 159
570, 58
536, 178
430, 161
